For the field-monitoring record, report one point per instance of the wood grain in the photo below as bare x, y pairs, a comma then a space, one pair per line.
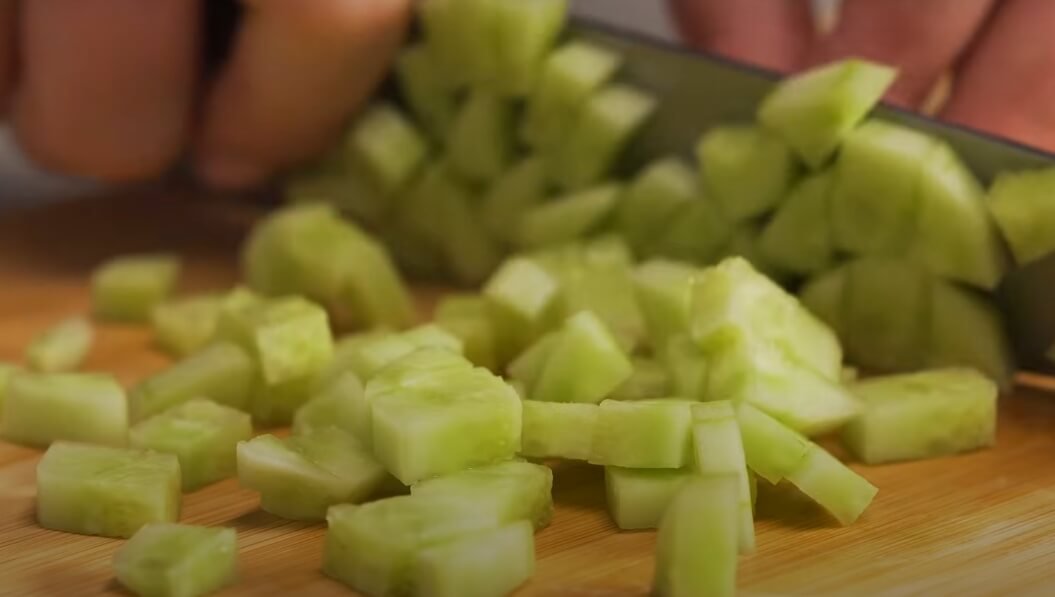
978, 524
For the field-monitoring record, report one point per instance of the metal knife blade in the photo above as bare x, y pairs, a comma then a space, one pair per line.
698, 90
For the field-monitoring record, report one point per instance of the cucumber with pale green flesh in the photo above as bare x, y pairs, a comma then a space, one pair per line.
522, 187
111, 492
128, 288
569, 76
648, 380
663, 290
967, 330
508, 491
746, 243
444, 40
815, 110
720, 451
178, 560
526, 368
429, 94
202, 434
823, 296
652, 200
746, 169
638, 497
602, 129
184, 326
223, 373
688, 368
886, 314
345, 352
63, 347
466, 35
480, 564
956, 237
606, 289
558, 430
830, 483
480, 142
526, 32
798, 238
274, 405
373, 354
299, 477
342, 404
773, 451
875, 204
385, 148
41, 408
428, 423
467, 318
697, 233
696, 549
7, 371
569, 217
585, 364
290, 338
922, 415
1021, 205
643, 434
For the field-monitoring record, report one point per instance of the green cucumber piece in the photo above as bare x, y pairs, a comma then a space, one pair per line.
585, 364
815, 110
274, 405
521, 296
746, 169
346, 350
696, 549
648, 380
467, 318
223, 373
342, 404
798, 238
385, 148
480, 142
922, 415
638, 497
830, 483
688, 368
202, 434
773, 451
720, 451
63, 347
508, 491
663, 290
526, 368
426, 89
299, 477
558, 430
887, 314
371, 355
177, 559
643, 434
746, 243
522, 187
526, 32
110, 492
1019, 203
652, 200
184, 326
823, 296
875, 204
967, 330
290, 339
41, 408
697, 233
481, 564
126, 289
569, 217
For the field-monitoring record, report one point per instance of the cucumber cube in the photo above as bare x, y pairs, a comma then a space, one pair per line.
522, 187
41, 408
720, 451
887, 313
815, 110
128, 288
638, 497
823, 296
663, 290
342, 404
481, 564
697, 233
922, 415
62, 347
184, 326
1020, 202
299, 477
528, 366
480, 142
585, 364
275, 405
367, 358
568, 218
773, 451
177, 559
521, 296
688, 368
830, 483
426, 89
652, 200
202, 434
346, 350
746, 169
223, 373
111, 492
606, 288
643, 434
467, 318
649, 380
558, 430
967, 330
384, 147
509, 491
526, 32
798, 238
291, 339
697, 544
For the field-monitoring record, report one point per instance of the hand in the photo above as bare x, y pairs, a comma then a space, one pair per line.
113, 89
1001, 53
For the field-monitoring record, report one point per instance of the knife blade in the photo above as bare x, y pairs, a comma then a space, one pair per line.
698, 90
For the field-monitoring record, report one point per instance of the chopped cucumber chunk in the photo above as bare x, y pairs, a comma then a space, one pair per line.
480, 564
652, 200
1022, 207
720, 451
63, 347
509, 491
426, 89
638, 497
773, 451
290, 338
648, 380
697, 233
223, 373
643, 434
688, 368
521, 296
177, 559
526, 32
558, 430
746, 169
886, 313
830, 483
385, 148
184, 326
798, 238
823, 296
967, 330
346, 350
522, 187
467, 318
585, 364
568, 218
526, 368
368, 357
342, 404
480, 142
128, 288
41, 408
664, 290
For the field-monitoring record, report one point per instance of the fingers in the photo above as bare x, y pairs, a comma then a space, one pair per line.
771, 33
297, 71
922, 39
107, 86
1007, 83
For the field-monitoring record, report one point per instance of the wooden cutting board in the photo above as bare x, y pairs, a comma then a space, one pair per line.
978, 524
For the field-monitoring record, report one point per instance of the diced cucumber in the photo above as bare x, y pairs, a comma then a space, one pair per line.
373, 354
886, 314
1020, 204
814, 111
558, 430
638, 497
773, 451
177, 559
223, 373
346, 350
745, 243
568, 218
274, 405
526, 368
823, 296
342, 404
601, 130
480, 142
521, 296
696, 548
687, 367
526, 33
648, 380
798, 238
720, 451
202, 434
41, 408
290, 338
184, 326
922, 415
643, 434
522, 187
652, 200
967, 330
385, 148
830, 483
585, 364
111, 492
746, 169
481, 564
697, 233
509, 491
299, 477
62, 347
426, 89
875, 204
467, 318
128, 288
664, 290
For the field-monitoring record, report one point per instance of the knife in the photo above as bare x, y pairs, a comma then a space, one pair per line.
699, 90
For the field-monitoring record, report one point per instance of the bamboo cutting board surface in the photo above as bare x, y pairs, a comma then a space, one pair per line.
978, 524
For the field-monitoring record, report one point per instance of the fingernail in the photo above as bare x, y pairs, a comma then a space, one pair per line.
230, 172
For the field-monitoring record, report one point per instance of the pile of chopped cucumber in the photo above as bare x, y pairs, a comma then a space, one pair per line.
692, 328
